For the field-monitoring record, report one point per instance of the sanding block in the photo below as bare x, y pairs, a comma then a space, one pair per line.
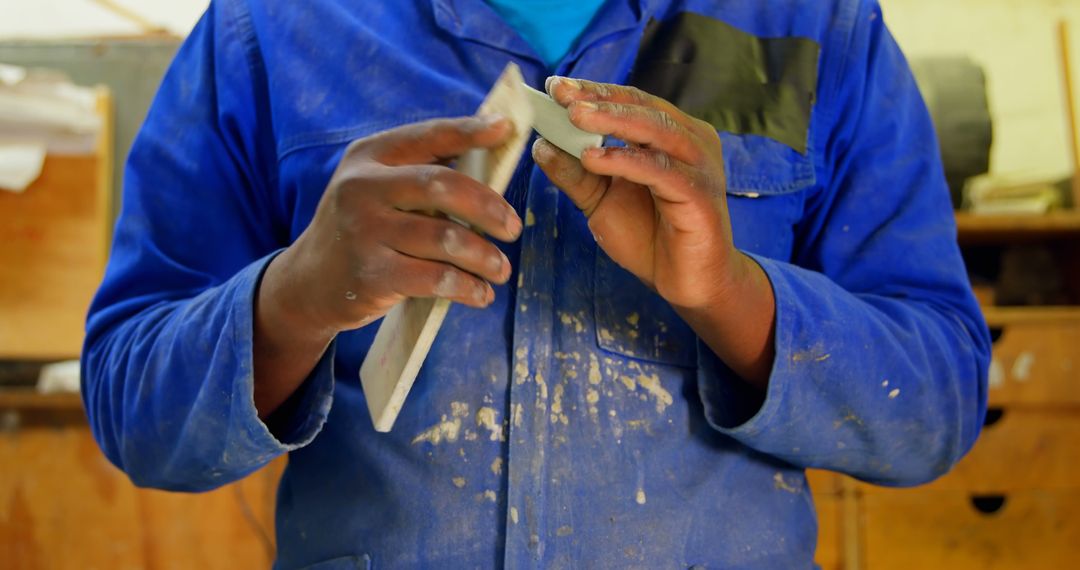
552, 121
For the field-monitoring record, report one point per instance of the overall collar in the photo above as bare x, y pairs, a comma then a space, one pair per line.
476, 21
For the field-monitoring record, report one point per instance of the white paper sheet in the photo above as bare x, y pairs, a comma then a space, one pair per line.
44, 107
20, 165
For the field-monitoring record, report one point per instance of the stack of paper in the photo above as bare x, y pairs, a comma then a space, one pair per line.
42, 112
998, 196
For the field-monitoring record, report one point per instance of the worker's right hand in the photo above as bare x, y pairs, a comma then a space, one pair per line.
372, 242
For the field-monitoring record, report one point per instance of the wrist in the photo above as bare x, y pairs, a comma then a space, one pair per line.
744, 280
723, 285
281, 309
738, 321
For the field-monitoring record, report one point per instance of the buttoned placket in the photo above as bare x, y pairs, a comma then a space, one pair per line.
533, 364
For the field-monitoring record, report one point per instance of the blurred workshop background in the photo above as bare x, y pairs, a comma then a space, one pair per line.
76, 77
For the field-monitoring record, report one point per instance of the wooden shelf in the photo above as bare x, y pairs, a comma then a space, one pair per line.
1000, 316
30, 400
973, 227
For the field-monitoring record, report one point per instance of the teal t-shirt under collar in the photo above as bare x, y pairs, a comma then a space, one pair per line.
550, 26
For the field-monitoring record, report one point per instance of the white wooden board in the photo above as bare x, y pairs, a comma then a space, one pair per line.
406, 334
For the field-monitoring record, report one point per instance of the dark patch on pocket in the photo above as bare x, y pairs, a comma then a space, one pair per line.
736, 81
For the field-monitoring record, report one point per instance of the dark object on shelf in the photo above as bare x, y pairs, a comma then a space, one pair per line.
1030, 275
955, 93
19, 373
1064, 186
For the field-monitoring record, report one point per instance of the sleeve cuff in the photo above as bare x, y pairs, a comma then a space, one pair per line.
307, 409
301, 417
732, 406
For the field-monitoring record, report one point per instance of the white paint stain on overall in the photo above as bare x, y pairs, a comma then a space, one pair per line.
781, 484
595, 378
519, 413
557, 414
447, 429
572, 321
521, 365
487, 418
541, 392
651, 384
592, 397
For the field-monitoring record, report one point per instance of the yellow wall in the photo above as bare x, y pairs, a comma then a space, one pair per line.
1016, 42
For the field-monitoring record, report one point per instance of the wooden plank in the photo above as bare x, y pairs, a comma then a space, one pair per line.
1006, 316
408, 330
23, 399
974, 228
56, 240
907, 529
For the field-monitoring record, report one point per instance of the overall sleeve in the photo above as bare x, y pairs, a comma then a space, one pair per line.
167, 362
881, 349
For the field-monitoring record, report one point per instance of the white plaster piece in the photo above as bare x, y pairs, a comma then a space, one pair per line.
552, 121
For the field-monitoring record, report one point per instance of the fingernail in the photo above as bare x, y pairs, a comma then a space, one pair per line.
492, 120
555, 80
541, 150
594, 152
585, 106
513, 225
551, 80
498, 263
485, 294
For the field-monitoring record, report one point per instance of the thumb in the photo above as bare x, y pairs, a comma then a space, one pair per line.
584, 188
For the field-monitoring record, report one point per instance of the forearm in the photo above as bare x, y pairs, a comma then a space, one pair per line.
286, 347
739, 324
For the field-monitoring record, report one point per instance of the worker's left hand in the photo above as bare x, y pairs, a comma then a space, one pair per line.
656, 206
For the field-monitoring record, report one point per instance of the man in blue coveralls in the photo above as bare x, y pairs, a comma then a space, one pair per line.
660, 339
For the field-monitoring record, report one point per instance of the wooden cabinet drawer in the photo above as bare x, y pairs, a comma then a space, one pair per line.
939, 529
1035, 361
1020, 450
